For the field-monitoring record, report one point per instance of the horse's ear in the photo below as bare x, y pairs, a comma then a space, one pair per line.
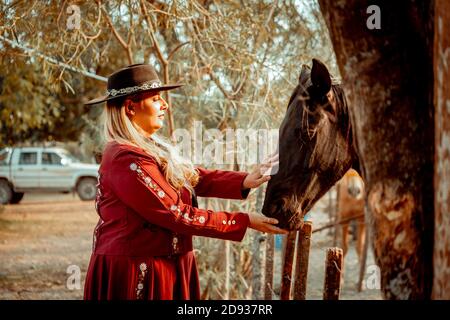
304, 73
320, 78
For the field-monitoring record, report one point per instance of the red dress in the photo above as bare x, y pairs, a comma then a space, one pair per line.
142, 247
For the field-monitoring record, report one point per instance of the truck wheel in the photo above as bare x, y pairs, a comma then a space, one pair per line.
6, 192
87, 188
17, 196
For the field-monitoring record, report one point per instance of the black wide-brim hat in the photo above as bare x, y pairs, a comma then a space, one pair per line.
133, 79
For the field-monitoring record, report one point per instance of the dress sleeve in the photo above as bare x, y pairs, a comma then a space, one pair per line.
221, 184
140, 185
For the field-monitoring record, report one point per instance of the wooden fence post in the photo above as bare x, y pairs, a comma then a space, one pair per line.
333, 272
268, 279
302, 260
286, 276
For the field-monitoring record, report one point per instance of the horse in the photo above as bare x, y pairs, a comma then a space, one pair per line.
350, 204
315, 147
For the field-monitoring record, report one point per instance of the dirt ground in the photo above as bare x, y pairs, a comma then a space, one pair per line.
47, 237
39, 239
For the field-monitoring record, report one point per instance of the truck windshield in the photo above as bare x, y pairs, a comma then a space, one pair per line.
4, 156
66, 154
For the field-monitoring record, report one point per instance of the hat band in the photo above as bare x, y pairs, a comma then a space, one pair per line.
145, 86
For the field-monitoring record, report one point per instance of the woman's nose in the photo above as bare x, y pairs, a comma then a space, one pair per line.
164, 104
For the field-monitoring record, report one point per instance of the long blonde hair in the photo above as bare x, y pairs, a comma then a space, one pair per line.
178, 171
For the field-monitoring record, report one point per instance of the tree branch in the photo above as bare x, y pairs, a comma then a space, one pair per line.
152, 33
119, 37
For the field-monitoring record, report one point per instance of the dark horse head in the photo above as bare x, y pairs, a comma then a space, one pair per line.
315, 147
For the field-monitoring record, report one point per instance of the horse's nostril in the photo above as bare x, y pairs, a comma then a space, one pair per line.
273, 209
354, 192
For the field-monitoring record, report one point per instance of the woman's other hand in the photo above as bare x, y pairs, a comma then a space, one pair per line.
261, 173
265, 224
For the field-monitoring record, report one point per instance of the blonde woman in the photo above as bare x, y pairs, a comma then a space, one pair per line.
142, 246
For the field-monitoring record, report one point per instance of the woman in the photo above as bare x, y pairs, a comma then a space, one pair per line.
142, 246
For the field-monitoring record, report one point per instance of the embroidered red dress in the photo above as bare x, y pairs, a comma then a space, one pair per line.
142, 247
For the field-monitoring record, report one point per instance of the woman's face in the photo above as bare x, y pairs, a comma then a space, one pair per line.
148, 112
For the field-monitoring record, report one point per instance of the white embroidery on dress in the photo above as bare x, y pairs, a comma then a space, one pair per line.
161, 194
141, 280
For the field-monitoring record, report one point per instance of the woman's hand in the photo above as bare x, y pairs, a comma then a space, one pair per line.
261, 173
264, 224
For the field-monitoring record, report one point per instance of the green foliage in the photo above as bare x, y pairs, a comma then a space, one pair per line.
32, 108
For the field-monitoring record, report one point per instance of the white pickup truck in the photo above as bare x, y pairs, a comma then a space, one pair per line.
31, 169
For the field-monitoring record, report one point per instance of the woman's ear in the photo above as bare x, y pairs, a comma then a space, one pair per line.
129, 108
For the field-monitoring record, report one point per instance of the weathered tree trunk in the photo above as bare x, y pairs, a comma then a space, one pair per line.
388, 75
441, 281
